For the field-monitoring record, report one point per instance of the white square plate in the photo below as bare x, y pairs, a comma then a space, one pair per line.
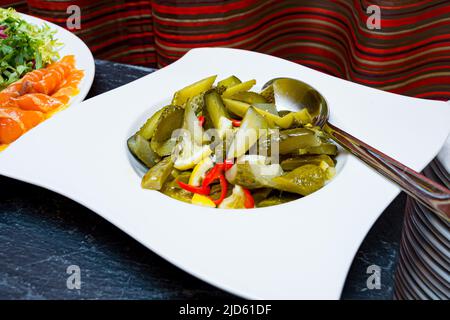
299, 250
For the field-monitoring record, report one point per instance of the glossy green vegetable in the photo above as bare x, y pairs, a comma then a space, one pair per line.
324, 148
261, 194
165, 148
293, 139
228, 82
148, 129
249, 97
181, 96
173, 190
268, 145
190, 121
171, 118
302, 117
294, 118
293, 163
157, 175
303, 180
268, 94
217, 113
241, 87
220, 147
253, 173
268, 107
187, 153
141, 149
234, 201
283, 113
237, 107
253, 127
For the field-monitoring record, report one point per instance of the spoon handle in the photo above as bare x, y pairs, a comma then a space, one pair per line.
433, 195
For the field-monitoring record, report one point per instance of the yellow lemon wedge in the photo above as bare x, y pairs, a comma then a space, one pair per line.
199, 171
200, 200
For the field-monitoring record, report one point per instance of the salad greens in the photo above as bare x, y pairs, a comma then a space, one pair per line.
23, 47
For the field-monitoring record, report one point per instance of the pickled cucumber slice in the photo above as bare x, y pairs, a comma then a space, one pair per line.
190, 121
293, 139
217, 113
253, 127
228, 82
325, 148
249, 97
235, 201
293, 163
181, 96
303, 180
148, 129
241, 87
171, 118
293, 118
142, 150
173, 190
155, 178
252, 172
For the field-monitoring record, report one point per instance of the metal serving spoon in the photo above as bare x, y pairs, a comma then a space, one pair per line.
294, 94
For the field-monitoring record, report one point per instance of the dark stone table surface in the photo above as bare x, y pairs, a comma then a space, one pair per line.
43, 233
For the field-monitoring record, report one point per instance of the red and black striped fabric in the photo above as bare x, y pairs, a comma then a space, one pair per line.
410, 54
117, 30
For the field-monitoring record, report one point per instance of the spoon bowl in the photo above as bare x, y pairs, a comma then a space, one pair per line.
294, 94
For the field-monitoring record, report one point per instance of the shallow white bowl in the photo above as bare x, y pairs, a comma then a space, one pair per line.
302, 249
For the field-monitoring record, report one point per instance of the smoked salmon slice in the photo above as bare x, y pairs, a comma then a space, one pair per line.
63, 95
34, 75
49, 82
28, 119
14, 122
38, 102
10, 130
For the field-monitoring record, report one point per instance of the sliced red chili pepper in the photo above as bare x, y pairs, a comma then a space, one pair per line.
201, 120
200, 190
224, 189
236, 123
216, 171
227, 164
249, 202
212, 175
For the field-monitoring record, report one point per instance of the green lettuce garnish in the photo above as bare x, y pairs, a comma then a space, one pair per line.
23, 47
